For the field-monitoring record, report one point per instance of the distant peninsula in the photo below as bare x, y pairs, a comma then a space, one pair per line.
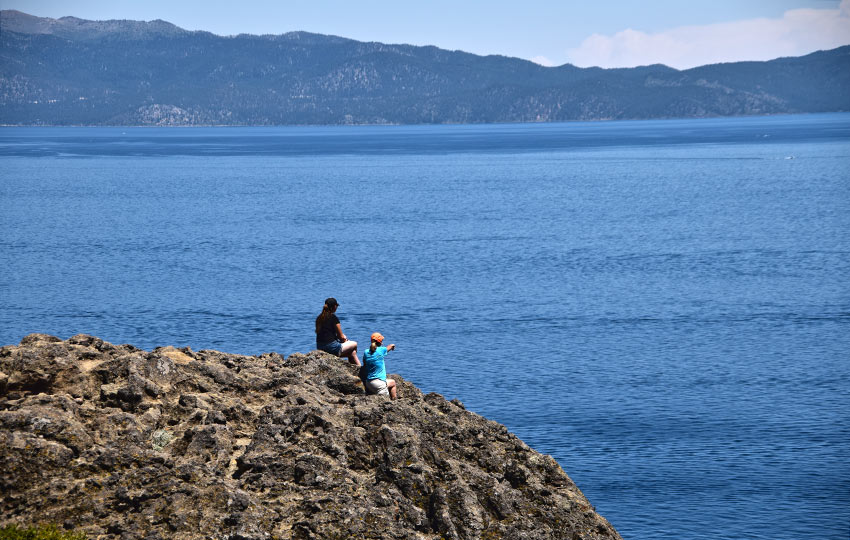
71, 71
116, 442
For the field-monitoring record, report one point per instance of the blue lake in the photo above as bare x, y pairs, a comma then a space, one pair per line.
663, 306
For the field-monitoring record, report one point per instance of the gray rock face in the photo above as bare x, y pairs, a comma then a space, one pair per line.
122, 443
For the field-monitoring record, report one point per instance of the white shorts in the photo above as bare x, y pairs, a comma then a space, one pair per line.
377, 386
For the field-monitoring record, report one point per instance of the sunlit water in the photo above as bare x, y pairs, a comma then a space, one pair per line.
663, 306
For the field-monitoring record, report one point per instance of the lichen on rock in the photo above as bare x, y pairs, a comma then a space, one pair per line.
118, 442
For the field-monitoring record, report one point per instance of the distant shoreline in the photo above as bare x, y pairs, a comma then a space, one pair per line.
600, 120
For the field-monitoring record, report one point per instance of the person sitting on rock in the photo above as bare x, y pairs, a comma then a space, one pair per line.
375, 373
329, 336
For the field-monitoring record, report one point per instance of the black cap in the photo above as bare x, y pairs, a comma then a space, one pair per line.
331, 302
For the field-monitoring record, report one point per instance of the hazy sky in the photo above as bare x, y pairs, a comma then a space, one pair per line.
607, 33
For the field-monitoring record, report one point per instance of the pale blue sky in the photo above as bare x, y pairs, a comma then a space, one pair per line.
609, 33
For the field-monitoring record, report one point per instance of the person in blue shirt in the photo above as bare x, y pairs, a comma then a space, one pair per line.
375, 372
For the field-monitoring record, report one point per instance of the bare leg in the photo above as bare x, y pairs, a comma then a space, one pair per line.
349, 349
393, 388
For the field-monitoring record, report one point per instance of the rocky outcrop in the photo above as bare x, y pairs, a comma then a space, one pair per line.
118, 442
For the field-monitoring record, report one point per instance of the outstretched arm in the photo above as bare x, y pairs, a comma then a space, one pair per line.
390, 347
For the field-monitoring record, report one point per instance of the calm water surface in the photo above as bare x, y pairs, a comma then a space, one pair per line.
663, 306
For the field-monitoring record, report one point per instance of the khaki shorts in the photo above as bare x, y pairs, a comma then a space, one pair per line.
377, 386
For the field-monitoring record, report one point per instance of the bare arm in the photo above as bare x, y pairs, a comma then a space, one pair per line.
339, 333
390, 347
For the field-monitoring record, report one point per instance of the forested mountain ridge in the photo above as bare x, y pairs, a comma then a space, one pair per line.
71, 71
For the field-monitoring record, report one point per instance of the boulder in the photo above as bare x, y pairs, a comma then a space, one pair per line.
118, 442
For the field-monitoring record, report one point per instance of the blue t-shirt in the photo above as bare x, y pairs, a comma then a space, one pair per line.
374, 363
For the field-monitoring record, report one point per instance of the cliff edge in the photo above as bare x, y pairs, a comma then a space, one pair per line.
122, 443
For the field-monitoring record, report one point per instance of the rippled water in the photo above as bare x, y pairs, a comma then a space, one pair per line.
663, 306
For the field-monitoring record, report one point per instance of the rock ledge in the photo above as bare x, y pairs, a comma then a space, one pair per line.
122, 443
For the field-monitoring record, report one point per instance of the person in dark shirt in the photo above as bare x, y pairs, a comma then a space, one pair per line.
329, 336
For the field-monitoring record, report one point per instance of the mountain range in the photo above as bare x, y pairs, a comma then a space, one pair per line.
71, 71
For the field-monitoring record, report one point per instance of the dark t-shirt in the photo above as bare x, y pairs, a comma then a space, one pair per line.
327, 332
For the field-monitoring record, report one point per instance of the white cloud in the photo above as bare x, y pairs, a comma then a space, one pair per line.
798, 32
543, 61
